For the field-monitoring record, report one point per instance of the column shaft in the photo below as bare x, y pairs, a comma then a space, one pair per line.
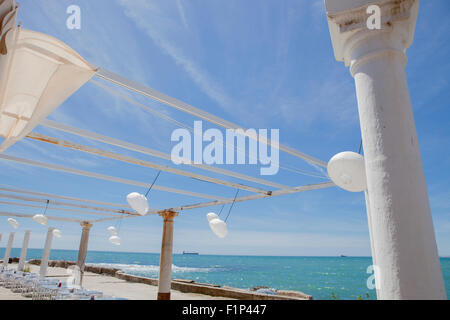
403, 241
165, 264
8, 249
23, 253
82, 251
46, 254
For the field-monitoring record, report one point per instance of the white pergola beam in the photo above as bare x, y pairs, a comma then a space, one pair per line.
49, 195
123, 158
67, 204
17, 204
23, 215
182, 106
154, 153
105, 177
276, 193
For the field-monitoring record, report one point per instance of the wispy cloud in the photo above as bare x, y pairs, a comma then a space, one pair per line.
161, 26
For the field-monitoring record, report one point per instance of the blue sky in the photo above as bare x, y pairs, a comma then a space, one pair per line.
260, 64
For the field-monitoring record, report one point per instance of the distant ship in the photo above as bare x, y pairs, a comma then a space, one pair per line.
190, 253
342, 256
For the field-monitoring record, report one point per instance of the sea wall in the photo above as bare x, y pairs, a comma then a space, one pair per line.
187, 286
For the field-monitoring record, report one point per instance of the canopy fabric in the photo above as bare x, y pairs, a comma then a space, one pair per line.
37, 74
8, 14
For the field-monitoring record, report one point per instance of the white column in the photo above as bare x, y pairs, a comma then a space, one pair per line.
402, 235
82, 251
46, 254
8, 249
23, 253
165, 263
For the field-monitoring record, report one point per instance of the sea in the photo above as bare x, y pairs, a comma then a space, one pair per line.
325, 278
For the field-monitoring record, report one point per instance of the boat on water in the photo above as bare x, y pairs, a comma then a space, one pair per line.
191, 253
343, 256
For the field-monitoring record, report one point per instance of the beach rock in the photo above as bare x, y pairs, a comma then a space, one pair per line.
296, 294
36, 262
268, 291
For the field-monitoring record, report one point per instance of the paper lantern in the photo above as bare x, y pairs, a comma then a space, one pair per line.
210, 216
138, 202
57, 233
114, 240
347, 170
37, 74
13, 223
41, 219
112, 230
219, 227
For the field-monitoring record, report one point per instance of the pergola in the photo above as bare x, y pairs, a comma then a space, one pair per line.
38, 73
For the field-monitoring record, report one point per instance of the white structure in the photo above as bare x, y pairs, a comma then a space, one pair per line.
82, 251
46, 254
8, 249
165, 262
401, 229
23, 253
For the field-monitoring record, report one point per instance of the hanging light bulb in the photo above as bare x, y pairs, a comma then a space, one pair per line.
138, 202
112, 230
13, 223
114, 240
219, 227
347, 170
210, 216
57, 233
41, 219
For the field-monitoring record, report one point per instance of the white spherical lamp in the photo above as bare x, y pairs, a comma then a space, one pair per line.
114, 240
210, 216
347, 170
57, 233
112, 230
219, 227
41, 219
138, 202
13, 223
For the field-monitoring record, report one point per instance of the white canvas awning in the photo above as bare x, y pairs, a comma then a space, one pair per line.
37, 74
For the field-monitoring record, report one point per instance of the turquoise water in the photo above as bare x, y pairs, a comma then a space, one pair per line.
321, 277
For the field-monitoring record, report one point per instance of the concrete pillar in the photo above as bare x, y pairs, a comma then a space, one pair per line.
165, 263
8, 249
402, 235
23, 253
46, 254
82, 251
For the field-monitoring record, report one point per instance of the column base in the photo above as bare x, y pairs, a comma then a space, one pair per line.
163, 296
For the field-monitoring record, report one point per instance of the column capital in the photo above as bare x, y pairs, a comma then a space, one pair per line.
86, 225
347, 20
168, 215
